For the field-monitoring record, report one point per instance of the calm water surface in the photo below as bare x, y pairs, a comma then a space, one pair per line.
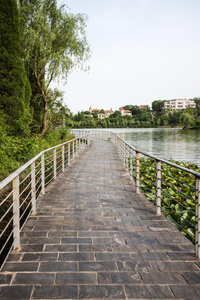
168, 143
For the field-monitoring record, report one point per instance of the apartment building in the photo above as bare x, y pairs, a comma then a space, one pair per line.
179, 104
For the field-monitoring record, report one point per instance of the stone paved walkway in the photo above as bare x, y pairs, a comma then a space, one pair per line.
94, 238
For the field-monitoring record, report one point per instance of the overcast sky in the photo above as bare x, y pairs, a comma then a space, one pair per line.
142, 50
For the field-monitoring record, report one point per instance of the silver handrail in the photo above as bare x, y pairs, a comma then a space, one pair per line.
20, 191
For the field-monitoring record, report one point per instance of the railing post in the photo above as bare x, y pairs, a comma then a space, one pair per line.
73, 149
124, 153
127, 156
131, 165
137, 172
42, 174
76, 147
54, 163
16, 216
79, 147
158, 187
63, 158
69, 154
197, 217
33, 198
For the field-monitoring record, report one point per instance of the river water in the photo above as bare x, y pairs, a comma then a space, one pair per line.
168, 143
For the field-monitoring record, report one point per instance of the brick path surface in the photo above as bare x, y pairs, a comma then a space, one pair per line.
93, 237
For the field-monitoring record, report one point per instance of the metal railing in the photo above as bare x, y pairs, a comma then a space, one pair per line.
20, 191
173, 189
96, 134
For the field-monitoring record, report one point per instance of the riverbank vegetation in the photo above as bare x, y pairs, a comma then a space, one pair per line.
141, 117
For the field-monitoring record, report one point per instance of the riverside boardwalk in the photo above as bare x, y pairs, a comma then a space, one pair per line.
93, 237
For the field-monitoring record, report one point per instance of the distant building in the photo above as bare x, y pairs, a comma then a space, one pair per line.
144, 106
179, 104
88, 115
125, 112
101, 115
93, 109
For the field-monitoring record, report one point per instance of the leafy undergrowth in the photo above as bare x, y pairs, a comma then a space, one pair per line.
15, 151
177, 192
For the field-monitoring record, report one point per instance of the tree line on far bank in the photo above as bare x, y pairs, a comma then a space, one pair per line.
141, 117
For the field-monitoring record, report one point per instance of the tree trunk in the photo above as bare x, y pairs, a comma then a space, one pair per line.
44, 125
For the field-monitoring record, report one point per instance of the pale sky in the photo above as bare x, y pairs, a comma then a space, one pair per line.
141, 51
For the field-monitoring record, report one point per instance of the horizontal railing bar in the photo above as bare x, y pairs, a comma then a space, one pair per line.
6, 197
8, 179
6, 227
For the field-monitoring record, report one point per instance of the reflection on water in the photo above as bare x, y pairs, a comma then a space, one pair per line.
168, 143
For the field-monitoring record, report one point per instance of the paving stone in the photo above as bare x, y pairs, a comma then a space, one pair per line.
124, 234
5, 278
15, 292
148, 292
192, 277
55, 292
141, 241
14, 257
58, 266
137, 266
40, 257
157, 256
129, 248
76, 241
176, 266
62, 234
44, 240
119, 278
92, 234
162, 278
186, 291
101, 292
60, 248
98, 266
34, 234
182, 256
76, 257
32, 248
76, 278
21, 266
33, 278
113, 256
164, 248
95, 248
109, 241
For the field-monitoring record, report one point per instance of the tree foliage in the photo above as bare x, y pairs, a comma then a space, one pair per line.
14, 86
54, 42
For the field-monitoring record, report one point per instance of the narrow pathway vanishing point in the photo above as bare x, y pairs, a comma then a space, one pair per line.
93, 237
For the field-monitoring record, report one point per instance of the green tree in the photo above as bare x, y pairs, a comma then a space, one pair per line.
116, 113
54, 42
158, 105
15, 89
165, 119
187, 120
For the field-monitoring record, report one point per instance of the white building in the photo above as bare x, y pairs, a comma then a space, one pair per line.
179, 104
125, 112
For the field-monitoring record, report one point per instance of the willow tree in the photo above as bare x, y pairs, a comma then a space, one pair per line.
14, 85
54, 42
